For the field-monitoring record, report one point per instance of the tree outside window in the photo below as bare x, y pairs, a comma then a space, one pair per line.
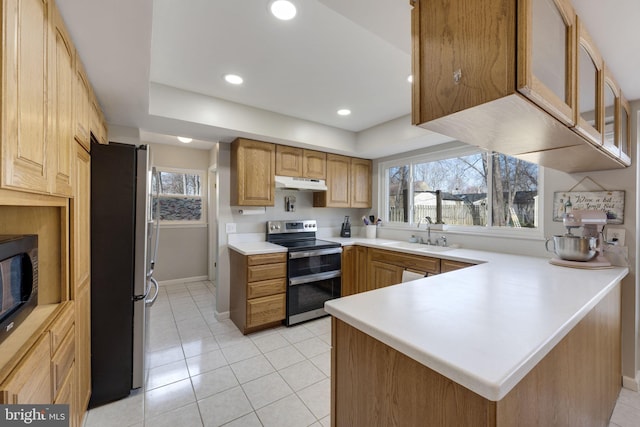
412, 189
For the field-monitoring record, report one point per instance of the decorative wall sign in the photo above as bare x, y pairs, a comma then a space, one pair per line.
611, 202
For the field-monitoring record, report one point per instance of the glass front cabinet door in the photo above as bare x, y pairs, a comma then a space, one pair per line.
624, 142
611, 114
545, 56
589, 82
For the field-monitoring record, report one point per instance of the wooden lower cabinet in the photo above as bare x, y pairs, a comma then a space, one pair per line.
349, 285
265, 310
382, 274
30, 381
575, 384
362, 261
46, 374
258, 290
447, 265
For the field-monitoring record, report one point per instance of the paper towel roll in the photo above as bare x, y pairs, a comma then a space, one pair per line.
252, 211
408, 276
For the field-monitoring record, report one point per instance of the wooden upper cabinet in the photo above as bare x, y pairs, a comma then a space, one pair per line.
450, 74
611, 111
338, 194
314, 164
589, 82
288, 161
253, 165
348, 183
546, 52
25, 151
625, 131
62, 81
505, 75
82, 111
360, 183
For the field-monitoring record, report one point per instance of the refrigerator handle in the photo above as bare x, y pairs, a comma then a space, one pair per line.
151, 300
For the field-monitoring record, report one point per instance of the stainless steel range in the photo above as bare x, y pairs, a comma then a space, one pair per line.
313, 268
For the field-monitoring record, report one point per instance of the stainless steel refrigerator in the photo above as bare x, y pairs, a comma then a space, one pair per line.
123, 249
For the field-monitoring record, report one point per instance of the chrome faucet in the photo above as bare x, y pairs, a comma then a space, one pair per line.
427, 219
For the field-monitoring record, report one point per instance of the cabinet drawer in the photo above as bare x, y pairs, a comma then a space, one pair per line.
265, 310
60, 328
257, 273
267, 258
266, 287
30, 381
448, 265
62, 360
412, 262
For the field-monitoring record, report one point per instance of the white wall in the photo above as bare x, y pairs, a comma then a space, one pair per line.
183, 250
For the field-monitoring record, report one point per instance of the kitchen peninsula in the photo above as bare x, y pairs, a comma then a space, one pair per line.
511, 341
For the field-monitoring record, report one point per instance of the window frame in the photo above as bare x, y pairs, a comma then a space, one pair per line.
203, 212
447, 153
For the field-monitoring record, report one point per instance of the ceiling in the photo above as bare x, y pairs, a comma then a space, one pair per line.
335, 54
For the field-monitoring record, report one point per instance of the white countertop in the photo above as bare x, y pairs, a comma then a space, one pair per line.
485, 327
256, 248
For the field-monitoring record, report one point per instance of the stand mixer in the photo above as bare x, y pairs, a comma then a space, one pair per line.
592, 223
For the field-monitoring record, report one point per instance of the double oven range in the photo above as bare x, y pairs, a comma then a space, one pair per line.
313, 268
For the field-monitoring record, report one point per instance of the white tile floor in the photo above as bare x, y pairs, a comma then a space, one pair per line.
206, 373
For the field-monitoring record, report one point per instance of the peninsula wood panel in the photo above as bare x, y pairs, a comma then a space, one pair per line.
376, 386
575, 384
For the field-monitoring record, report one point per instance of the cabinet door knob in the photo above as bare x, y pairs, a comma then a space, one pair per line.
457, 76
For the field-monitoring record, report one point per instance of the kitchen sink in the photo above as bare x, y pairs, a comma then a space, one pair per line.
417, 247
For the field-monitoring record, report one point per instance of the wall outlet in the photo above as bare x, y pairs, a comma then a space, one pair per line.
231, 227
615, 234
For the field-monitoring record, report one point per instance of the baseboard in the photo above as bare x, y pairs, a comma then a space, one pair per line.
185, 280
222, 316
631, 383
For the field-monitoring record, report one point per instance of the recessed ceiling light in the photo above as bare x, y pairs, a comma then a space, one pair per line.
234, 79
184, 140
283, 9
410, 78
344, 112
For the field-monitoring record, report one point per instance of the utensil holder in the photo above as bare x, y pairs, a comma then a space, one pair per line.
370, 231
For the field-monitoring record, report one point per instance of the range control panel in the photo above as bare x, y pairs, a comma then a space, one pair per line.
296, 226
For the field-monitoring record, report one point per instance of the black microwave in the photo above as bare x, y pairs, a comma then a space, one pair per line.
18, 279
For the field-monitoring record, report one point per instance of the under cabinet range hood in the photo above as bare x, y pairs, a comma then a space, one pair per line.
300, 184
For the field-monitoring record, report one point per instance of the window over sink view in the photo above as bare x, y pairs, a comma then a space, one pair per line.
412, 186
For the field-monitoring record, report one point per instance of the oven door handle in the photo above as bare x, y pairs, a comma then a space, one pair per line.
308, 254
314, 278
